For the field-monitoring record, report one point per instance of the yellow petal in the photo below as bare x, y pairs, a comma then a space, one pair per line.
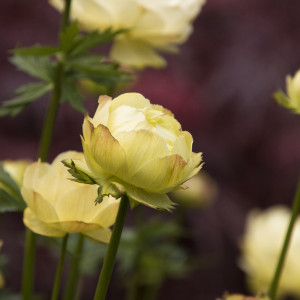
183, 145
101, 235
33, 172
40, 227
78, 205
102, 112
106, 212
154, 200
194, 166
141, 146
136, 54
168, 171
107, 152
39, 206
136, 100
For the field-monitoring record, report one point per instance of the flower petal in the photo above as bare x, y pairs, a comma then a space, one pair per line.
40, 207
154, 200
183, 145
136, 53
168, 171
33, 172
101, 235
102, 112
40, 227
141, 146
107, 212
77, 205
107, 152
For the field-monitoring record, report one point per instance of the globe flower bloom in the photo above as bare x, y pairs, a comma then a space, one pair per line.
57, 205
292, 100
243, 297
150, 26
261, 246
137, 148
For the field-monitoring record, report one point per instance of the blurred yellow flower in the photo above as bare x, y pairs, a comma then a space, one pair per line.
261, 246
243, 297
16, 169
151, 26
57, 205
135, 147
292, 100
200, 191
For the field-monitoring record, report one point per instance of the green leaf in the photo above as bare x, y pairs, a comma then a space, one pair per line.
71, 94
88, 41
40, 67
10, 203
67, 37
37, 50
26, 94
10, 195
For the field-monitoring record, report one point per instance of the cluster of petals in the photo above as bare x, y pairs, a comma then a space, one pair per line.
150, 26
137, 148
58, 205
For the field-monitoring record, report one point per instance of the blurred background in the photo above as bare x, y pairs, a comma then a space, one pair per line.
220, 88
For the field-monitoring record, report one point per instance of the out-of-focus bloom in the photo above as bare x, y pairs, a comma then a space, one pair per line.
199, 191
57, 205
16, 169
261, 246
151, 26
135, 147
243, 297
292, 100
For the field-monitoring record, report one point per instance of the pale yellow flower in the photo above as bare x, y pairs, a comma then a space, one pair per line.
293, 91
16, 169
261, 246
135, 147
57, 205
243, 297
151, 26
199, 191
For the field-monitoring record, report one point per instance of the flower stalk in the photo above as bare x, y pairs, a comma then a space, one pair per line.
28, 265
275, 281
69, 293
55, 290
111, 253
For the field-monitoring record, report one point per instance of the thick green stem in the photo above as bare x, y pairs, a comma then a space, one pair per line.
59, 269
280, 263
28, 265
69, 293
109, 260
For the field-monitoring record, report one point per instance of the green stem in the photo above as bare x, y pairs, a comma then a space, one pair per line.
69, 293
280, 263
59, 269
109, 260
28, 265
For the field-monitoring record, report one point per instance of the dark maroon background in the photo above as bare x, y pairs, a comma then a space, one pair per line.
220, 88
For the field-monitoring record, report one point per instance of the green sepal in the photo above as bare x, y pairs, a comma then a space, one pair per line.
79, 175
107, 189
37, 50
